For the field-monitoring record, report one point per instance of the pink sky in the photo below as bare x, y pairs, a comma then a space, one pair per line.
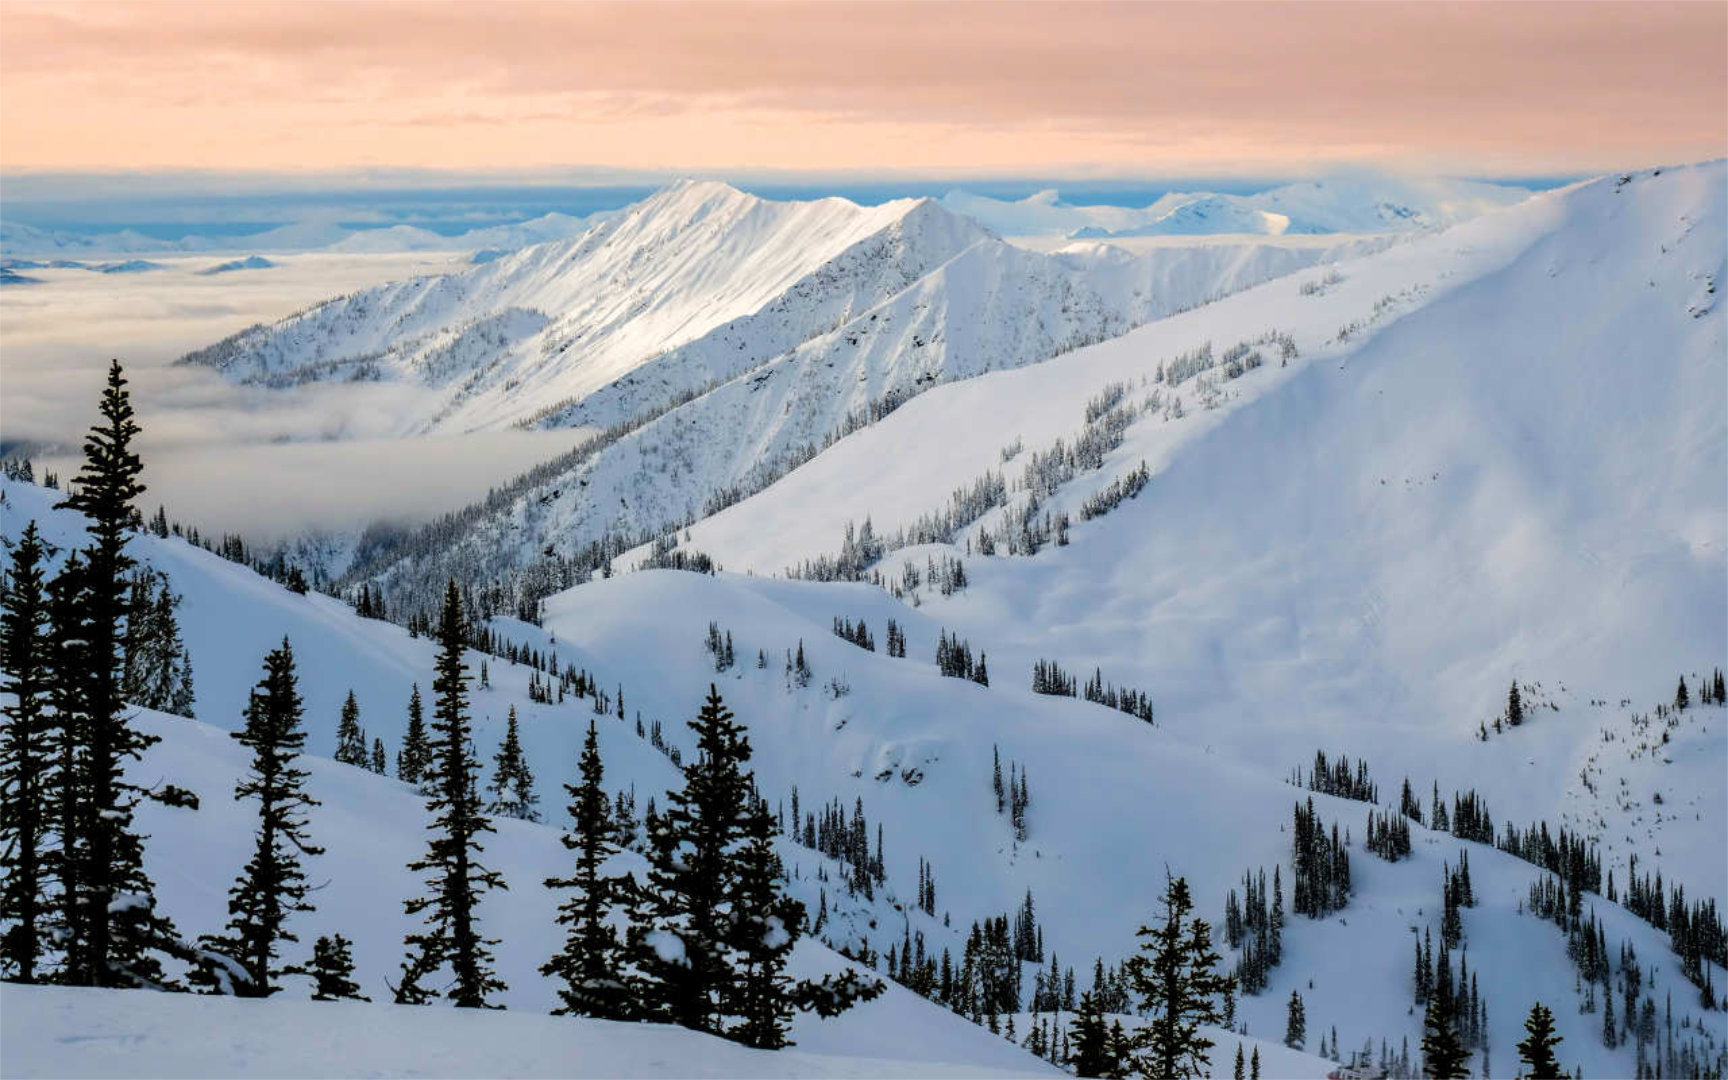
1017, 88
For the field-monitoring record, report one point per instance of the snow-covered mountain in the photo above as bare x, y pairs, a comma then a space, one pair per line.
1496, 453
1343, 204
1341, 510
719, 338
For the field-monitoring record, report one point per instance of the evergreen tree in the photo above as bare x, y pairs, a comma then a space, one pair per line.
1091, 1050
1681, 698
713, 943
512, 786
764, 926
1514, 706
416, 753
1443, 1055
1175, 978
1295, 1023
683, 957
273, 885
455, 877
1238, 1073
332, 970
380, 759
1254, 1065
591, 962
1536, 1051
112, 930
26, 759
350, 738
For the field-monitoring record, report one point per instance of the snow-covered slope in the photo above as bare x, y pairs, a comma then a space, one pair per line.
1342, 204
1114, 802
64, 1032
1499, 453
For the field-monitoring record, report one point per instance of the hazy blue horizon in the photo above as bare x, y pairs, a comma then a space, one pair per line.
172, 207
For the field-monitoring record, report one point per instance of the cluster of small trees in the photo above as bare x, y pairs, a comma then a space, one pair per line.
1456, 894
844, 837
719, 647
1116, 492
1455, 1018
1049, 678
1388, 835
1136, 703
954, 659
1338, 778
1320, 884
895, 640
1256, 928
1014, 797
858, 634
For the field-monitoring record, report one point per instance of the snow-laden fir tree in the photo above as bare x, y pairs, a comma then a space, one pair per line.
26, 760
112, 931
412, 759
1176, 978
591, 964
380, 758
350, 737
455, 879
272, 886
512, 787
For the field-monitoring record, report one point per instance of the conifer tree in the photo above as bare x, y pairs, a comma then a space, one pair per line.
332, 970
350, 738
380, 759
1091, 1051
1175, 978
455, 878
765, 925
1443, 1055
1238, 1073
113, 929
512, 786
1682, 699
683, 957
412, 759
273, 884
591, 962
1295, 1023
713, 942
26, 760
1254, 1065
1536, 1050
1514, 706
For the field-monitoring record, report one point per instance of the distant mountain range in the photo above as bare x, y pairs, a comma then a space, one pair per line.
1339, 205
1375, 204
19, 239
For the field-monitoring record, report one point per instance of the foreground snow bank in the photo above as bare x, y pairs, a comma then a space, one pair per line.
58, 1031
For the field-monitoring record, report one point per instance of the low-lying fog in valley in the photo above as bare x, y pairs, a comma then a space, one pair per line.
228, 457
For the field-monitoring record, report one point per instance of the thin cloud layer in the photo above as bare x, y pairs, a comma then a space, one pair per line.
1109, 87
